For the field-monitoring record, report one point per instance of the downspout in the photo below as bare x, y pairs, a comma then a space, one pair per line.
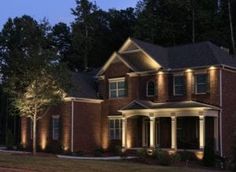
72, 125
221, 146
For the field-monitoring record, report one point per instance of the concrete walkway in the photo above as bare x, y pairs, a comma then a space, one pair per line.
111, 158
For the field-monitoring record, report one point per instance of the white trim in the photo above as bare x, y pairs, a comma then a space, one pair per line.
109, 61
134, 101
117, 89
130, 51
115, 117
148, 55
125, 45
116, 79
132, 74
72, 126
85, 100
221, 103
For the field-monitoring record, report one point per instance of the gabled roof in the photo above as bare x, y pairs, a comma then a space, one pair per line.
135, 105
142, 104
83, 85
142, 56
197, 55
158, 53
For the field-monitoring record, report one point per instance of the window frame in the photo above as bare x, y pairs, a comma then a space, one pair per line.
54, 136
196, 83
114, 128
174, 84
147, 89
117, 89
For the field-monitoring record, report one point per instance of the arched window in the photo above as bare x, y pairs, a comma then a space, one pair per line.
150, 89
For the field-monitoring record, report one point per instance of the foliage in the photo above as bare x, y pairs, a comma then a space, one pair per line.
142, 153
10, 141
187, 156
233, 155
32, 75
164, 158
54, 148
99, 152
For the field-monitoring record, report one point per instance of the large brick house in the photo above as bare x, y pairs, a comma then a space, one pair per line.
175, 98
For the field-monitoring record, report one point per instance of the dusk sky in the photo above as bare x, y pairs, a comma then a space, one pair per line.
54, 10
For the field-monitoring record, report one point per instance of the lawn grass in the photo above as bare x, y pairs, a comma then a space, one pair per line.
53, 164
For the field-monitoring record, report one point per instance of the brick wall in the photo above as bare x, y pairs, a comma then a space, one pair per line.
229, 110
87, 126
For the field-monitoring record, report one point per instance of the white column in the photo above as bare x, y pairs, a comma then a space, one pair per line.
201, 132
216, 133
152, 132
173, 132
124, 128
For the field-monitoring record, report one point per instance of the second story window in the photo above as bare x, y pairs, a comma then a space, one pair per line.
201, 83
179, 85
150, 91
117, 88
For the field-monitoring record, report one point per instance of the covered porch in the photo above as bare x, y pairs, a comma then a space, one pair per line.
173, 126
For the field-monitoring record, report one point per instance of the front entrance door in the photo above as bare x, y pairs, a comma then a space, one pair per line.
146, 132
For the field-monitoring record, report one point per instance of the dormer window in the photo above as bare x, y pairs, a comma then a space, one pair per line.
117, 88
201, 83
179, 85
150, 91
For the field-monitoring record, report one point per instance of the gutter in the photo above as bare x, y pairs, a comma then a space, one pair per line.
72, 126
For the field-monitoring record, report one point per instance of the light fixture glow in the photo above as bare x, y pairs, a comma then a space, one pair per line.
188, 70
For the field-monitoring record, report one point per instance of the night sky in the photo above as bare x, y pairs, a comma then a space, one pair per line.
54, 10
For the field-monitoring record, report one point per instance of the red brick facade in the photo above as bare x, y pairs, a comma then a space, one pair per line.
84, 123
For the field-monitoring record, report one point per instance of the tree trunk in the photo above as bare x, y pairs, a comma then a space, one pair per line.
34, 133
86, 49
231, 27
193, 21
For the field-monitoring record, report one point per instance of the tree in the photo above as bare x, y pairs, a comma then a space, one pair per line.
83, 13
61, 40
231, 27
38, 97
32, 75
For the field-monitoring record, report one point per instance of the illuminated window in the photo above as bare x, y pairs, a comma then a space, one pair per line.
150, 91
115, 129
55, 127
201, 83
117, 88
179, 85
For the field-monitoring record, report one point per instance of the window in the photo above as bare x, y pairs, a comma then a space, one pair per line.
55, 127
150, 92
201, 83
31, 129
179, 85
117, 88
115, 129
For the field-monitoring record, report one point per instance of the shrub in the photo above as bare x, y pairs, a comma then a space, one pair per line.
142, 153
164, 158
187, 156
233, 155
98, 152
54, 148
209, 158
175, 157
